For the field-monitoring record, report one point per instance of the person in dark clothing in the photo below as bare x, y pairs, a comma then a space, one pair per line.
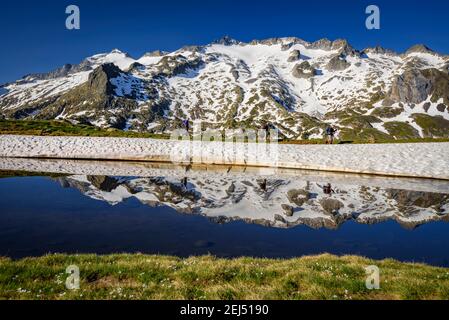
327, 189
263, 185
266, 128
186, 124
330, 133
185, 182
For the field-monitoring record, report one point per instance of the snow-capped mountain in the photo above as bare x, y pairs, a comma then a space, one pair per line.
281, 203
297, 86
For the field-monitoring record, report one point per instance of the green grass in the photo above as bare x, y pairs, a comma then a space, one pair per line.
16, 174
361, 141
63, 128
162, 277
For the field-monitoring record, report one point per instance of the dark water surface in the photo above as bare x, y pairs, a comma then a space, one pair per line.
41, 215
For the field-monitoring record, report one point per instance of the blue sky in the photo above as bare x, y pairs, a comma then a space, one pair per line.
34, 38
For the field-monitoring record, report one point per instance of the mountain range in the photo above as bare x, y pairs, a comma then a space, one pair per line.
296, 86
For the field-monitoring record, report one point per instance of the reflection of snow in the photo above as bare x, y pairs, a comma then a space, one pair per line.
256, 195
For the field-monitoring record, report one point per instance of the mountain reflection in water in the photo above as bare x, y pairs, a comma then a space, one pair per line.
113, 207
282, 203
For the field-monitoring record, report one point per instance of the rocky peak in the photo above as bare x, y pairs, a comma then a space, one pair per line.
64, 71
118, 51
156, 53
322, 44
286, 43
379, 50
344, 48
99, 79
341, 45
193, 49
419, 48
226, 41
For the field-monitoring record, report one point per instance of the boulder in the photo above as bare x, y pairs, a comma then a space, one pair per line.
279, 218
294, 56
304, 71
298, 197
337, 63
331, 206
231, 189
441, 107
288, 210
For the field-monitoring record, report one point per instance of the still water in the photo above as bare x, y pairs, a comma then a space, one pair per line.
227, 213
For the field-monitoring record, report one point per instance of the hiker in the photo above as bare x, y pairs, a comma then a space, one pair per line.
184, 182
330, 133
327, 189
266, 128
186, 124
263, 185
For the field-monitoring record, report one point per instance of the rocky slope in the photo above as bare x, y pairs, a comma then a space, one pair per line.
297, 86
281, 203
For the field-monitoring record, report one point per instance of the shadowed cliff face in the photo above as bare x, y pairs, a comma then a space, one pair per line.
415, 86
277, 203
99, 80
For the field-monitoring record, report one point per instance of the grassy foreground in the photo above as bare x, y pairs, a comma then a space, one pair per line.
160, 277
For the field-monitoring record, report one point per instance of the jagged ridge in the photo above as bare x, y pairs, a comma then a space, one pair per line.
297, 86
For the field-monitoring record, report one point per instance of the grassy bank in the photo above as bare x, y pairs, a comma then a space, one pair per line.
322, 141
15, 174
64, 128
159, 277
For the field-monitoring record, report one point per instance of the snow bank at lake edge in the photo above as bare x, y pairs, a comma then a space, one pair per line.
426, 160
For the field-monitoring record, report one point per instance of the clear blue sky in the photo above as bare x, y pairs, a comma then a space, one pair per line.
34, 38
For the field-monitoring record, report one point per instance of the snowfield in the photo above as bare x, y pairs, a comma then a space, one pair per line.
425, 160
